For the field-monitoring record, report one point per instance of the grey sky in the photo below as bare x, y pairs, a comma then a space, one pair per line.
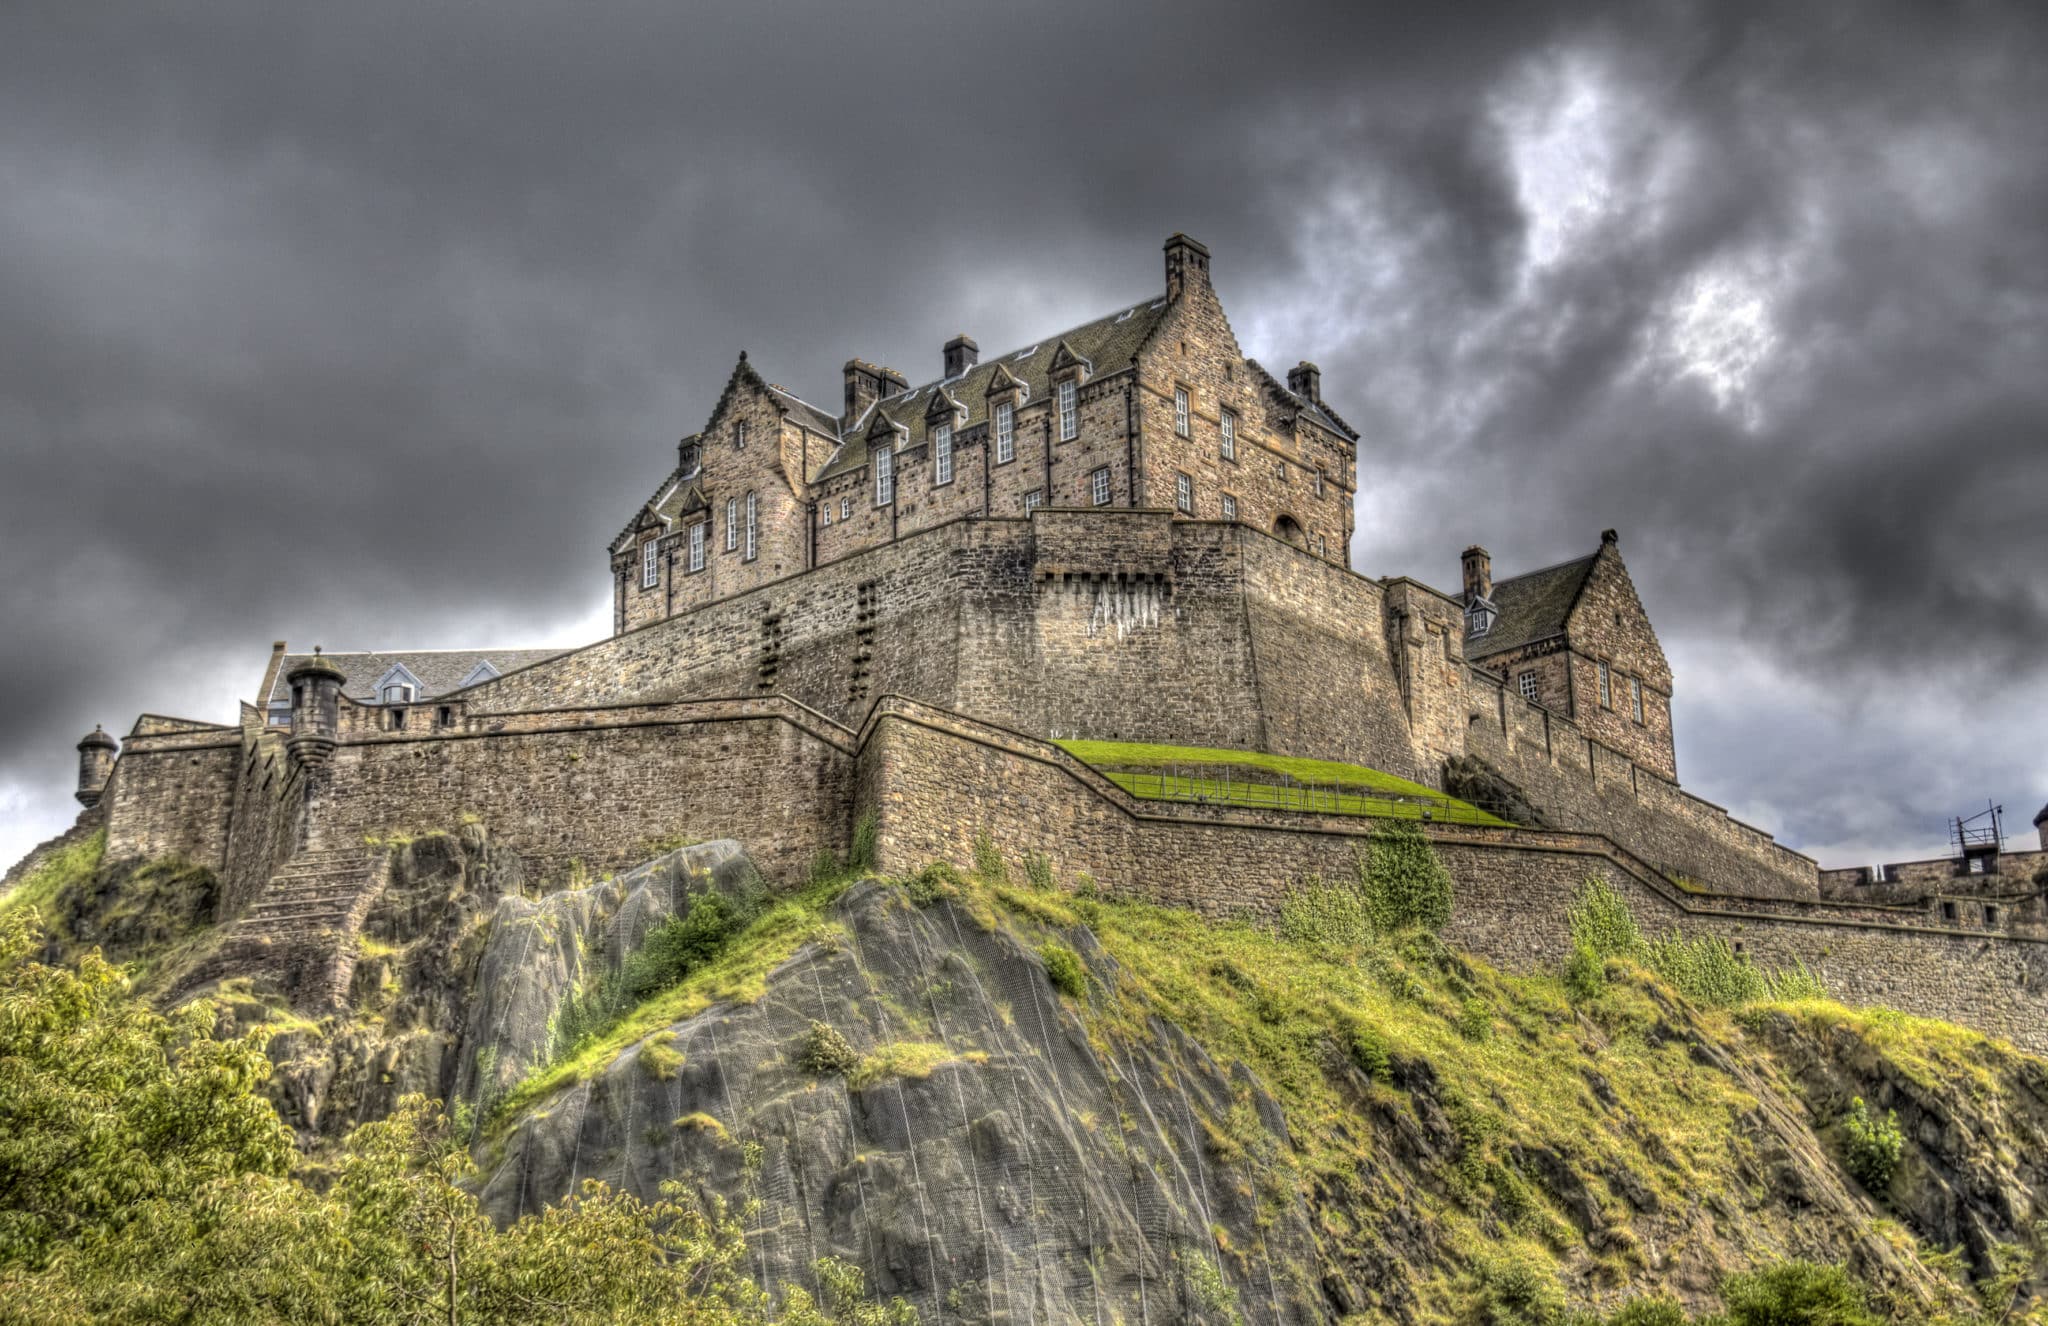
367, 324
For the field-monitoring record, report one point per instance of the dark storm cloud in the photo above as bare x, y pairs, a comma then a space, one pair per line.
369, 324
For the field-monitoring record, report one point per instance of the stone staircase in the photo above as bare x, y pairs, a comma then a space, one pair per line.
299, 936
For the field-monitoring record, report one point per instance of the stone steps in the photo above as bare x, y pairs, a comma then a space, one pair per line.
299, 935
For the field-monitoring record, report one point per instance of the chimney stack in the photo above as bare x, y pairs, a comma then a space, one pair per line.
863, 385
893, 383
961, 354
1478, 573
1306, 380
1187, 263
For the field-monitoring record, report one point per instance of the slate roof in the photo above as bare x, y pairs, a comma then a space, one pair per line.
1302, 403
1110, 342
807, 413
1532, 606
439, 670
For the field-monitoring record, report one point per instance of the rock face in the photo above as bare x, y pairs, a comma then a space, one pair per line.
1017, 1172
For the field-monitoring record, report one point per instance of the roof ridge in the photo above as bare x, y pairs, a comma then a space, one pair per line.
1541, 570
1034, 347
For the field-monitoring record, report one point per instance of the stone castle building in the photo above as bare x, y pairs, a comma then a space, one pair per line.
895, 611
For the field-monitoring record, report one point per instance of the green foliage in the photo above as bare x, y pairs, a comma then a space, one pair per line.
842, 1301
682, 944
1648, 1312
1403, 882
1208, 1292
1585, 975
1038, 871
1601, 921
1514, 1291
659, 1058
1368, 1049
936, 881
1475, 1020
65, 868
860, 857
1707, 971
1872, 1146
1063, 968
1324, 916
826, 1053
1795, 1293
1794, 983
988, 860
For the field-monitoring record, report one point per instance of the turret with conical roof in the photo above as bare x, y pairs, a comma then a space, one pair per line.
316, 708
95, 766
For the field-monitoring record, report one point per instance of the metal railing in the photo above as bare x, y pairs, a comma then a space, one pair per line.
1237, 785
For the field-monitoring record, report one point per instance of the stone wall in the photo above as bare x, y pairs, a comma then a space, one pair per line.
936, 780
267, 804
170, 794
601, 791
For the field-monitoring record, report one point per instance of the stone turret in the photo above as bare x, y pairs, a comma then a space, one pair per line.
316, 708
95, 766
1478, 565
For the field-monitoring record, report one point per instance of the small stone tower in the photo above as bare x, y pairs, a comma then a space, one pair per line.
95, 766
1478, 565
316, 708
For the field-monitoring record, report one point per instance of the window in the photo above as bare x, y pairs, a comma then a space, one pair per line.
825, 513
1478, 617
732, 523
1606, 688
1527, 681
846, 508
1635, 697
1067, 422
1183, 494
885, 477
753, 528
1098, 486
942, 455
1319, 481
1033, 500
1229, 507
1323, 550
399, 692
739, 435
1990, 914
1948, 911
650, 564
396, 719
446, 715
1180, 411
1229, 418
1006, 433
697, 546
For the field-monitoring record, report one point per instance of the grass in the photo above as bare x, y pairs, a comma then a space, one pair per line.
906, 1059
59, 870
1147, 771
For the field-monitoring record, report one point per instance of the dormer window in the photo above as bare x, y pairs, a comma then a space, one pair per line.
650, 564
1479, 615
398, 692
942, 454
1069, 422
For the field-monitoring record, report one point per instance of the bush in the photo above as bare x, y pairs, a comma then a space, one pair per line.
936, 881
1706, 970
1402, 881
988, 861
860, 856
825, 1053
1795, 1293
1324, 916
1585, 975
1601, 921
1368, 1050
1511, 1291
1038, 870
1475, 1020
1873, 1145
1795, 982
1649, 1312
1063, 968
681, 944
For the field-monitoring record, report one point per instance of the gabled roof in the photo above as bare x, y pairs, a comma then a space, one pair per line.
1109, 343
806, 413
437, 671
1532, 606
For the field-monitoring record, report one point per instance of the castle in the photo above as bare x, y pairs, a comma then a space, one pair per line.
1126, 532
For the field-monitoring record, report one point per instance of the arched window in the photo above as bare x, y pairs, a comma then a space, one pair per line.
1288, 529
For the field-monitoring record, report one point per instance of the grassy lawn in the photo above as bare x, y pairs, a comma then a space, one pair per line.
1163, 773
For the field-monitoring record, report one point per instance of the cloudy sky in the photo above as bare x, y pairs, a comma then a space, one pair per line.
368, 324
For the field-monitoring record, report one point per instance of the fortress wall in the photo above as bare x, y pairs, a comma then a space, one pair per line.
829, 638
266, 813
599, 795
1582, 784
170, 795
936, 780
1326, 683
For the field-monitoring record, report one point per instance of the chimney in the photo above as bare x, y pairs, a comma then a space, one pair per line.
1306, 380
893, 383
1478, 573
961, 354
1187, 263
863, 385
1610, 538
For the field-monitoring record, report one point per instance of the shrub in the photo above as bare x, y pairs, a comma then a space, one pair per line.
1403, 882
1585, 974
1085, 886
1795, 1293
1706, 970
1795, 982
1513, 1291
1475, 1020
1873, 1145
1649, 1312
936, 881
1602, 922
681, 944
1368, 1050
1038, 870
860, 856
660, 1059
1063, 968
1324, 916
988, 861
825, 1053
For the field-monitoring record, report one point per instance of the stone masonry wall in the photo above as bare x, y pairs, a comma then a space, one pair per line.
935, 781
170, 795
